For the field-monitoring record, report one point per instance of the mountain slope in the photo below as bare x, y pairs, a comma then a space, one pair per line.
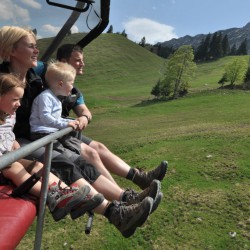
235, 36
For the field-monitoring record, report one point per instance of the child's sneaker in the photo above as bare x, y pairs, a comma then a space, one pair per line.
88, 204
127, 218
132, 197
143, 179
61, 200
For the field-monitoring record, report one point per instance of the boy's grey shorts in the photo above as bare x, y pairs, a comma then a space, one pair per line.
73, 141
67, 165
69, 171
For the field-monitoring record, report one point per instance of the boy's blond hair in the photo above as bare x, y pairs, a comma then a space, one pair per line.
9, 36
9, 82
59, 71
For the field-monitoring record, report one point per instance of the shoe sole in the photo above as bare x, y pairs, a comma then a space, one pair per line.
60, 213
87, 205
148, 204
165, 164
157, 201
155, 190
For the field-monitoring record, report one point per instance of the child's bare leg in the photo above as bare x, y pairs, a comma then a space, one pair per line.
102, 207
20, 171
18, 174
104, 186
35, 166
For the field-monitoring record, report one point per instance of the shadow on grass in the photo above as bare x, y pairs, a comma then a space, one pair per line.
149, 102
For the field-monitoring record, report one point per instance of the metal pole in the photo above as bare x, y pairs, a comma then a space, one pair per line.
22, 152
43, 196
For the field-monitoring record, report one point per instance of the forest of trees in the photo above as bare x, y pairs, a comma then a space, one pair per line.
212, 47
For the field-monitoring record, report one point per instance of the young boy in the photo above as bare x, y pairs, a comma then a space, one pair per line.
47, 109
60, 200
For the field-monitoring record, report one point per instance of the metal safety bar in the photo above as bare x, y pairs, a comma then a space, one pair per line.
22, 152
65, 6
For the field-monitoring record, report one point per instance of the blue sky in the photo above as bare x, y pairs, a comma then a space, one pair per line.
157, 20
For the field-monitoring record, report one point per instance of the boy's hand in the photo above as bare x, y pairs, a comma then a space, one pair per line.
16, 145
74, 124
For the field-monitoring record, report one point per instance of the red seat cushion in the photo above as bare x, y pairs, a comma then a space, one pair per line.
16, 216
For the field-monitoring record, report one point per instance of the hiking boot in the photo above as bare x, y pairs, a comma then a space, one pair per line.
60, 201
144, 179
127, 218
132, 197
90, 202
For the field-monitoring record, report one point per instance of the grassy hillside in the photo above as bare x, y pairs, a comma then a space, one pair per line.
115, 66
204, 136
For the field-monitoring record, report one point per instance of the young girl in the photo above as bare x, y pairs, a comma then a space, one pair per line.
60, 199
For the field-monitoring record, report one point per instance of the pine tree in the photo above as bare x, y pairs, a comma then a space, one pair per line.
233, 50
225, 46
143, 42
202, 51
164, 51
242, 50
110, 30
156, 90
216, 46
124, 33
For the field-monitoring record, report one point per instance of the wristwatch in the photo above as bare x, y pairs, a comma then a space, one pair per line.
87, 118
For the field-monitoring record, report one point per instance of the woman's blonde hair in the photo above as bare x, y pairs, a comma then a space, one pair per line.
9, 82
9, 36
59, 71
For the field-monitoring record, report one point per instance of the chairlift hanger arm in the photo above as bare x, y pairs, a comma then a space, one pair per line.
94, 33
100, 27
88, 2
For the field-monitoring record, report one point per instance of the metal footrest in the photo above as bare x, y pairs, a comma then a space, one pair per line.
89, 223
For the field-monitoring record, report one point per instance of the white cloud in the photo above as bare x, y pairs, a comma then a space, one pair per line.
32, 4
21, 13
53, 30
137, 28
74, 29
50, 29
13, 12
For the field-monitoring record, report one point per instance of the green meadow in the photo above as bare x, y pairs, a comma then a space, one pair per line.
204, 136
